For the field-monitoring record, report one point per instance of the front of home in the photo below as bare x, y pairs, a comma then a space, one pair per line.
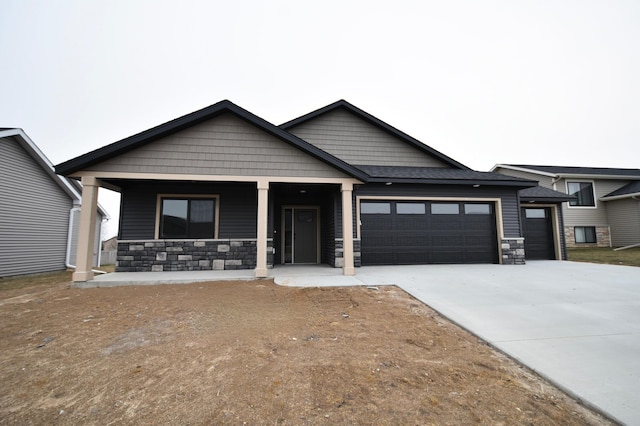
605, 210
221, 188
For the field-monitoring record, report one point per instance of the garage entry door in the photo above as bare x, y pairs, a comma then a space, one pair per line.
537, 228
423, 232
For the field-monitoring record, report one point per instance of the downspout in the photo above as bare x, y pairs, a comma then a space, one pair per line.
67, 261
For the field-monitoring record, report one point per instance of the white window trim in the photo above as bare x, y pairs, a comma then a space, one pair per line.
216, 219
593, 189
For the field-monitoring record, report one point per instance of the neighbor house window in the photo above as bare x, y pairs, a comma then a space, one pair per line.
187, 218
585, 234
584, 192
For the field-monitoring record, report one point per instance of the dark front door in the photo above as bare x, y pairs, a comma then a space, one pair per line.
538, 233
300, 235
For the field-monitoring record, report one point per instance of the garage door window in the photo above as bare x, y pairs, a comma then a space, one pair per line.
410, 208
375, 208
445, 208
477, 209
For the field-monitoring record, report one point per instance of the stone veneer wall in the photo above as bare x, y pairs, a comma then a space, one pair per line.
188, 255
603, 237
513, 251
338, 259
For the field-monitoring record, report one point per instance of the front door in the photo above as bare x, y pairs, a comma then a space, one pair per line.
301, 240
537, 227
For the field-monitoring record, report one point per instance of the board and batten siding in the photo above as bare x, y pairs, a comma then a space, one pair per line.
624, 220
34, 215
509, 198
353, 140
238, 207
223, 145
589, 216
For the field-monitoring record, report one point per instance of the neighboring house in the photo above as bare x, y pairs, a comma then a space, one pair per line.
221, 188
39, 210
606, 209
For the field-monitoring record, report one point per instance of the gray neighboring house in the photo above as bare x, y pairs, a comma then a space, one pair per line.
39, 210
606, 209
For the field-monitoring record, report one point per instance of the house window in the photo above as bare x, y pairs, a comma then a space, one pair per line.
187, 218
584, 192
585, 234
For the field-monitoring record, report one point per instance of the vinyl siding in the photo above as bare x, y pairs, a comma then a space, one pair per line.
509, 197
34, 215
238, 208
589, 216
224, 145
357, 142
544, 181
624, 219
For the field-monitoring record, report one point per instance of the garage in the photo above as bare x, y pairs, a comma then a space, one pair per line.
398, 232
537, 228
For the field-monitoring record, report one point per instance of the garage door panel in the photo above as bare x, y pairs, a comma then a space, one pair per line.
402, 238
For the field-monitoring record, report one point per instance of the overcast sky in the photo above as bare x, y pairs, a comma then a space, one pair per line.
535, 82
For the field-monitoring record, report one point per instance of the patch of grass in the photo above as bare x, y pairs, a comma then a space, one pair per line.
630, 257
23, 281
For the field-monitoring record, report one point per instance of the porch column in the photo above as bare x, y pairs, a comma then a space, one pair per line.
263, 213
87, 231
347, 228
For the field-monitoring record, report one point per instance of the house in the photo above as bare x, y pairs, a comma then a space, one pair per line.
39, 211
222, 188
606, 209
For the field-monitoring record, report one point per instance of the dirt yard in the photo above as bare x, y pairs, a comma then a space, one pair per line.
254, 353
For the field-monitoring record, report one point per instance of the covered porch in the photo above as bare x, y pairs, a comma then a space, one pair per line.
270, 206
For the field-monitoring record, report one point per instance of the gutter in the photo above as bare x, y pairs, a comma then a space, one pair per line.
67, 260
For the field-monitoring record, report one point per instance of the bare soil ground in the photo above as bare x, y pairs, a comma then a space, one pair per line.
254, 353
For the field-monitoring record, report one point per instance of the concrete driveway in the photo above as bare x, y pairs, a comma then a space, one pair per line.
577, 324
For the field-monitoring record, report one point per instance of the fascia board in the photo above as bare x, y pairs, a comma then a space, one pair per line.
523, 169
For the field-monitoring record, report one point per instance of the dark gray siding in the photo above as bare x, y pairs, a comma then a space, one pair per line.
509, 197
238, 207
34, 215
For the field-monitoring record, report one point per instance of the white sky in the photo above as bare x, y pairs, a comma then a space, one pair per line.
536, 82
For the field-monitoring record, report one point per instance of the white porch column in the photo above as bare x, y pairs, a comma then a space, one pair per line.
87, 231
263, 214
347, 228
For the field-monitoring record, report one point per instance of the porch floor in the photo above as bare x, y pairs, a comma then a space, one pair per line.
321, 275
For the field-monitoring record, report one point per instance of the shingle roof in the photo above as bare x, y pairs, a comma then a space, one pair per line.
440, 175
562, 170
342, 104
630, 189
540, 193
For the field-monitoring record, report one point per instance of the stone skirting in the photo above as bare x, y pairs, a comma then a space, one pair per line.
338, 259
188, 255
513, 251
603, 238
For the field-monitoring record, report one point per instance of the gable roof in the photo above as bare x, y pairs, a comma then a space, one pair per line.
630, 190
342, 104
125, 145
19, 136
439, 175
560, 171
71, 187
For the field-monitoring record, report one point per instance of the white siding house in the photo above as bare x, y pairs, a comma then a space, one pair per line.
37, 210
